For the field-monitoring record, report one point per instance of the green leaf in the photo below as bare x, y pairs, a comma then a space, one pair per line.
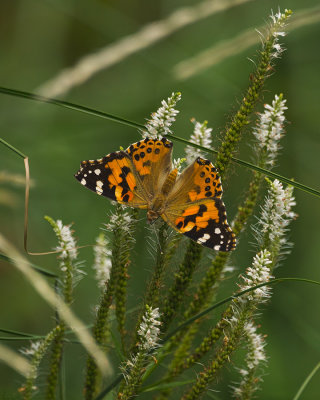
42, 271
163, 386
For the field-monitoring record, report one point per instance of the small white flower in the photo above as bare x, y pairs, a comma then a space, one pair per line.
269, 130
121, 220
160, 122
148, 331
177, 163
258, 273
279, 22
30, 351
201, 136
67, 244
255, 357
102, 260
276, 213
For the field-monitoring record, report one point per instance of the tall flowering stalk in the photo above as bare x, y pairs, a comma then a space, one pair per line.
243, 309
36, 352
111, 264
67, 255
148, 335
276, 215
270, 51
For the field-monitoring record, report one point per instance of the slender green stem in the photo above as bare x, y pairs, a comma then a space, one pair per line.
71, 106
13, 148
182, 280
119, 120
306, 381
230, 298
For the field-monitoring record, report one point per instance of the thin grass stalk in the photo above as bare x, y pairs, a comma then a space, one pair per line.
182, 280
155, 284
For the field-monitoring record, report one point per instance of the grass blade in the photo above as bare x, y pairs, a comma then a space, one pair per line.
101, 114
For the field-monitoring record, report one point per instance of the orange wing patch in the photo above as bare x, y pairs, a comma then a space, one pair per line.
197, 216
206, 180
147, 153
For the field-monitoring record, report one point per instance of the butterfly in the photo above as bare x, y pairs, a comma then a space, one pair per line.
142, 176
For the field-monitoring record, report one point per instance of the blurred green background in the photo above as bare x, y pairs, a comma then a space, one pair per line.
39, 39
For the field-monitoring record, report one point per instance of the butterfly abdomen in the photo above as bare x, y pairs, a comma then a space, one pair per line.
169, 182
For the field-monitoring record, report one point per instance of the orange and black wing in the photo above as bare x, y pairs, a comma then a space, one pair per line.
115, 177
194, 207
132, 177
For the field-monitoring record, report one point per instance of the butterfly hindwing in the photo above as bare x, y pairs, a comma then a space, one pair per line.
194, 207
203, 221
114, 176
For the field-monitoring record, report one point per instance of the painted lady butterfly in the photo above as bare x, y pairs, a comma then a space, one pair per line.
141, 177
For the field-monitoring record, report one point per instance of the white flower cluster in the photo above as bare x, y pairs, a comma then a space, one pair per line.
102, 260
277, 212
270, 128
177, 163
30, 351
67, 244
202, 136
279, 22
148, 331
258, 273
121, 220
255, 356
161, 121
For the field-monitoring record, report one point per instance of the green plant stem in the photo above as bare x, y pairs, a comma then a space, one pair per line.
152, 294
129, 389
182, 280
55, 361
99, 332
241, 118
38, 355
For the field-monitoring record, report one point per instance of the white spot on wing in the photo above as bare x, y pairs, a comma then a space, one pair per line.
204, 238
83, 181
99, 189
97, 171
217, 247
217, 231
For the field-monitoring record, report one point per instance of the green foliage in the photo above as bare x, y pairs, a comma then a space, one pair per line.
183, 283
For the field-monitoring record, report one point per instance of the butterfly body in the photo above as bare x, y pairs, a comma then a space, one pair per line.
142, 177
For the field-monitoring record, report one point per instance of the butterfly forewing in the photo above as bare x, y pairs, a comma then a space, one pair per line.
200, 180
114, 176
152, 161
